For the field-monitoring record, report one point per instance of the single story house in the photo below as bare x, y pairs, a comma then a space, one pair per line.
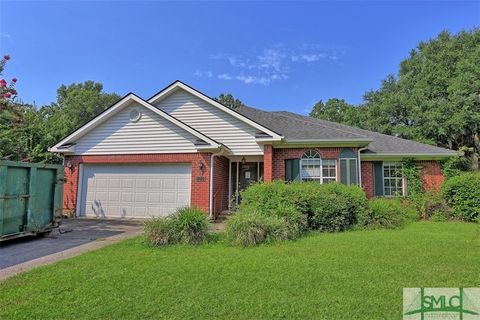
142, 158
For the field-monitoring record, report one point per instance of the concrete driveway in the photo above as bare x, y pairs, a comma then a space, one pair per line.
73, 237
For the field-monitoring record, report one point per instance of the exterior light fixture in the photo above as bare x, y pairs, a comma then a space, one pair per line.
244, 160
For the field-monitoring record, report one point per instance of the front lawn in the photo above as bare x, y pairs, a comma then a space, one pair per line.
351, 275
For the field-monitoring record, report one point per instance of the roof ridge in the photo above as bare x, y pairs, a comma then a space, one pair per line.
307, 120
360, 129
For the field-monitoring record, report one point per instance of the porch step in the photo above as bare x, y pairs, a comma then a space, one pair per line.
222, 216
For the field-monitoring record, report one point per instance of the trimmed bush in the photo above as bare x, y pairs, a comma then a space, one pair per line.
462, 193
336, 207
252, 228
327, 207
385, 213
186, 225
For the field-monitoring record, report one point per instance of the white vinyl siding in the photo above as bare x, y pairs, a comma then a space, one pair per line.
134, 190
212, 122
151, 134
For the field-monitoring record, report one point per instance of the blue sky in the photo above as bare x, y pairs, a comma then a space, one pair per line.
272, 55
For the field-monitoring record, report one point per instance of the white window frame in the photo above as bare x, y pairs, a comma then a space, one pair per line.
398, 166
315, 159
330, 178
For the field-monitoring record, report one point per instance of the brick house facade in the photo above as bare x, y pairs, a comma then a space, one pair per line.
139, 154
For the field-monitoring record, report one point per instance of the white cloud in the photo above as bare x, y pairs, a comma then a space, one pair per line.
253, 80
224, 76
308, 57
270, 64
207, 74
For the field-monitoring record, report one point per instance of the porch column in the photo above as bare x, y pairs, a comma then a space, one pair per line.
267, 163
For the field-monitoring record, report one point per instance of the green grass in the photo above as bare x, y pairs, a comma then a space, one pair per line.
351, 275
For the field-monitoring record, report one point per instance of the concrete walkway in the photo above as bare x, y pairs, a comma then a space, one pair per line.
73, 238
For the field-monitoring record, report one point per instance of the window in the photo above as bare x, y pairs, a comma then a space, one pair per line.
329, 171
348, 170
313, 168
392, 179
310, 166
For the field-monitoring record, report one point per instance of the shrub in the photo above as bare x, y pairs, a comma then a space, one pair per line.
429, 204
336, 207
454, 166
328, 207
160, 231
252, 228
191, 225
266, 197
385, 213
186, 225
462, 193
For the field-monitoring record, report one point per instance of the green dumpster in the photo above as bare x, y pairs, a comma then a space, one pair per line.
30, 197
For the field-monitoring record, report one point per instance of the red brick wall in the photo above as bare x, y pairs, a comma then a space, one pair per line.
280, 155
268, 163
431, 175
367, 179
220, 184
200, 189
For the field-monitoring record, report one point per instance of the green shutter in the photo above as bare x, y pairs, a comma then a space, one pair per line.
343, 171
378, 177
353, 171
292, 169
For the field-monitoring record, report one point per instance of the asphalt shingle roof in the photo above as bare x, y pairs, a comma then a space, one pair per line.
297, 127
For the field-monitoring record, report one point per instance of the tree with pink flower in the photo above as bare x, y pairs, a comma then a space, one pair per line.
7, 90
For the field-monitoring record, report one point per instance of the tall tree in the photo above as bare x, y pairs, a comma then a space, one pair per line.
434, 99
336, 110
76, 104
26, 133
228, 100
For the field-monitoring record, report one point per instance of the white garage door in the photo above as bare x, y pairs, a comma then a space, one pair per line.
136, 191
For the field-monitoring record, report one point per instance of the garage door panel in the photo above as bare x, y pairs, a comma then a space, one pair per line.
169, 183
135, 190
184, 184
183, 198
127, 183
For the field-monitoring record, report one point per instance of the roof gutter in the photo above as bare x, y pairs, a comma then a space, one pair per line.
419, 156
361, 142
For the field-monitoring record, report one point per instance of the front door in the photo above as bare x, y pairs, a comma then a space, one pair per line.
242, 175
248, 174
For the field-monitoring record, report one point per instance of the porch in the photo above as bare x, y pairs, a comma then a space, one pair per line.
234, 173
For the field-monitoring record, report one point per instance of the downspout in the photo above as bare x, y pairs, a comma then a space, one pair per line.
210, 209
360, 167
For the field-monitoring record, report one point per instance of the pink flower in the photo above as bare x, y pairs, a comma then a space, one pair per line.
6, 57
7, 95
14, 80
3, 83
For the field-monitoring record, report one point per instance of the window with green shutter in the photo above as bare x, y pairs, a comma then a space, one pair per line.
348, 171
